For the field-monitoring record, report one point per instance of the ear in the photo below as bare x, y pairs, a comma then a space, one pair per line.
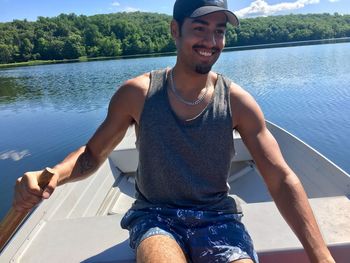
174, 29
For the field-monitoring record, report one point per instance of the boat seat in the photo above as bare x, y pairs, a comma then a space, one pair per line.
81, 246
125, 155
241, 151
78, 244
269, 230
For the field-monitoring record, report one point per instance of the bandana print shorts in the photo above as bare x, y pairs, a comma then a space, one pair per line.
204, 236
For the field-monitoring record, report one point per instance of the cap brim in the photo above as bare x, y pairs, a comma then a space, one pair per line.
206, 10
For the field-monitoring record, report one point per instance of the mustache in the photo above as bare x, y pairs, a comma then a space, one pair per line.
213, 49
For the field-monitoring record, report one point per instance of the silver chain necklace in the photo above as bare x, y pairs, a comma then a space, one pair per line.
178, 96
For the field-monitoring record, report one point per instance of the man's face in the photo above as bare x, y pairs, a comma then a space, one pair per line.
200, 41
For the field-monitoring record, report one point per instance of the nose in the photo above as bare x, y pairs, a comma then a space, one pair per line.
210, 39
213, 39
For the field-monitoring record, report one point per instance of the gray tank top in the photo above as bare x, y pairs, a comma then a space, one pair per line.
185, 164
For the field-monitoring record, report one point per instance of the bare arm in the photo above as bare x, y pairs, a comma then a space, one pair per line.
283, 184
87, 159
124, 109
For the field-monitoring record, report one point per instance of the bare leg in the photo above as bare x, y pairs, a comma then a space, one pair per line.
160, 249
243, 261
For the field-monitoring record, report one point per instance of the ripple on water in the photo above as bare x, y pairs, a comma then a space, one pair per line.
50, 110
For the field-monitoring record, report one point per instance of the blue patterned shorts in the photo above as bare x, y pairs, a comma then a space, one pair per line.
204, 236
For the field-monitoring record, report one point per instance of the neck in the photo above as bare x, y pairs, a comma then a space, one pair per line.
189, 81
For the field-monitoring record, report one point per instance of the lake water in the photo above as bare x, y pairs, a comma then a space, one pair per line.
48, 111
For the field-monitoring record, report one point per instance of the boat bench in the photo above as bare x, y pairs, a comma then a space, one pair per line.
125, 155
275, 241
79, 242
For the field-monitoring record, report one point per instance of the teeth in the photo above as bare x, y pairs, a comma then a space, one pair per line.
205, 53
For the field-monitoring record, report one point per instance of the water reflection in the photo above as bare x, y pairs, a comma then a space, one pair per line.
76, 87
13, 89
14, 155
50, 110
65, 89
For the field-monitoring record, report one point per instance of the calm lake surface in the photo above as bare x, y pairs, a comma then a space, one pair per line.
48, 111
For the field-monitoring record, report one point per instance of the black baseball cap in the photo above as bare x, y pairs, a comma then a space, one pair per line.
197, 8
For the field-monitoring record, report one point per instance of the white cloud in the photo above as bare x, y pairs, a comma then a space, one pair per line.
130, 9
14, 155
333, 1
117, 7
262, 8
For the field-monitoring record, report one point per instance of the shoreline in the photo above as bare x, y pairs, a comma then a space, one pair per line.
227, 49
291, 44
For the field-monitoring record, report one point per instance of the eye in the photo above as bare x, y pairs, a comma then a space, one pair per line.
199, 29
220, 32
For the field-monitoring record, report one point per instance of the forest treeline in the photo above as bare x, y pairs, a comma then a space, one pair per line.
69, 36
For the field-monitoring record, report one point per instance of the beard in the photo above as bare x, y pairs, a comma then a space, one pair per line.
203, 69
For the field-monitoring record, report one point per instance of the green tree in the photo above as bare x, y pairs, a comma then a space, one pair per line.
25, 49
71, 36
73, 47
6, 52
110, 47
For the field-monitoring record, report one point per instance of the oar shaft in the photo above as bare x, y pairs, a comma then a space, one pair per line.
9, 225
14, 218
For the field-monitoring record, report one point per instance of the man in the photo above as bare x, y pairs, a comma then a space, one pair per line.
184, 118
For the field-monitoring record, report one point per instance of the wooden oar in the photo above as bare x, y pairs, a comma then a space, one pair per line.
13, 218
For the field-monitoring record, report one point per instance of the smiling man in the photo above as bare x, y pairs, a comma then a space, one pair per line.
184, 118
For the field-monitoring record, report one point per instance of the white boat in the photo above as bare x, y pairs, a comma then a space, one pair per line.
81, 221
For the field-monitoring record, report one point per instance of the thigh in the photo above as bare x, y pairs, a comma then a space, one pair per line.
242, 261
153, 237
224, 240
159, 249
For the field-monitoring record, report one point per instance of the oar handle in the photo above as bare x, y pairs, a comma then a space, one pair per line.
13, 218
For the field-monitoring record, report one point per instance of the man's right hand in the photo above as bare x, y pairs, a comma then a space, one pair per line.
28, 192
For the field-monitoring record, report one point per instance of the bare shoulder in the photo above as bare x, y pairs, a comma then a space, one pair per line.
134, 88
137, 84
130, 96
245, 109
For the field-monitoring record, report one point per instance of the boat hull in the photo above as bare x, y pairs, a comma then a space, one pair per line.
81, 221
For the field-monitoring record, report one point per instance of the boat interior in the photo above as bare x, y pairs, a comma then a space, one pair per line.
81, 221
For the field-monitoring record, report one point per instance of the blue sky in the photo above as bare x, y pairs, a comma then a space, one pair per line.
31, 9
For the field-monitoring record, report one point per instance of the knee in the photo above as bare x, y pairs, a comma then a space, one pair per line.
160, 248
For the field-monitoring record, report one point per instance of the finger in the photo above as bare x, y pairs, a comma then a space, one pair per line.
32, 184
21, 209
24, 198
22, 202
50, 188
23, 206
